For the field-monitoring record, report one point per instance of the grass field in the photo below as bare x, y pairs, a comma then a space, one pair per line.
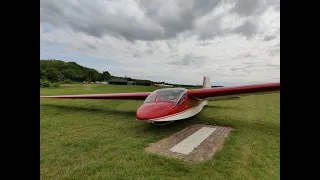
100, 139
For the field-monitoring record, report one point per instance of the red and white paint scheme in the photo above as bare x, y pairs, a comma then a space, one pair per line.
166, 105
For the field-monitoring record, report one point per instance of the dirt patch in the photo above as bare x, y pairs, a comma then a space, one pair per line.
89, 85
203, 152
66, 85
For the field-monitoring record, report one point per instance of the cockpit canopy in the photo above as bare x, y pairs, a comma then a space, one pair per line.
172, 95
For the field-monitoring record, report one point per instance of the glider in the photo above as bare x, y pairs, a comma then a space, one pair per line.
167, 105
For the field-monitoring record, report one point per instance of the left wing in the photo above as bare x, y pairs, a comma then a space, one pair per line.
128, 96
226, 92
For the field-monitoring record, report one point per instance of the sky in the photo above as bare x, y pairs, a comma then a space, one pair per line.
234, 42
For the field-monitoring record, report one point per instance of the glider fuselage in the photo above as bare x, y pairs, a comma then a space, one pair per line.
169, 104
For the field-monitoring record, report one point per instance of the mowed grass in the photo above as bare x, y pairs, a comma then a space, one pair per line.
100, 139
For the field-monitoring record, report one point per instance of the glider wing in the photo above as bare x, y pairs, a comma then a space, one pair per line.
125, 96
232, 92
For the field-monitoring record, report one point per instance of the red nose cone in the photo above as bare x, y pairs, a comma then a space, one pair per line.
154, 110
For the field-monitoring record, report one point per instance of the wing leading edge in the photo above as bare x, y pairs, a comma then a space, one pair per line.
127, 96
234, 91
221, 93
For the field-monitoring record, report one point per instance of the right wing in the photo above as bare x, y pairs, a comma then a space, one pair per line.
127, 96
224, 93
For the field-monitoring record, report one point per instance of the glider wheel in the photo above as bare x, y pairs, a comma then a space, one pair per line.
161, 123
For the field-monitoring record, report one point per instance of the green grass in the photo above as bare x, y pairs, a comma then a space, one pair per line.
100, 139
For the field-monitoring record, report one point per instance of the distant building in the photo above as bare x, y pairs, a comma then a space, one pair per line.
143, 82
131, 83
118, 81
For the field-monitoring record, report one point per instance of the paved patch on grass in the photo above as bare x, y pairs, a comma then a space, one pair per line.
194, 143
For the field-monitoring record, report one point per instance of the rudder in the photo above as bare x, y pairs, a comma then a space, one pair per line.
206, 82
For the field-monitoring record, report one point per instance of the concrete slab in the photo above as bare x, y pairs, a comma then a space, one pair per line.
194, 143
194, 140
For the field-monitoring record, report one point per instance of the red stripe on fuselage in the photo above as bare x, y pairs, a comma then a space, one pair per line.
188, 109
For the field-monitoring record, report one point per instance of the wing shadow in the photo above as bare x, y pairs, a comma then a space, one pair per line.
92, 110
220, 107
143, 127
270, 129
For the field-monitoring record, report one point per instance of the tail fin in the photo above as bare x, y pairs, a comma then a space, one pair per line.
206, 82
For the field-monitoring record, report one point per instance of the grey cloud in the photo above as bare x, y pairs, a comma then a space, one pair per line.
204, 43
171, 46
248, 7
135, 55
189, 59
234, 69
244, 56
149, 51
184, 17
247, 29
212, 29
90, 46
248, 66
93, 20
155, 23
247, 55
249, 63
273, 65
274, 3
268, 38
273, 52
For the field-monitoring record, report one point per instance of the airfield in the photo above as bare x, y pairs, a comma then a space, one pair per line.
100, 139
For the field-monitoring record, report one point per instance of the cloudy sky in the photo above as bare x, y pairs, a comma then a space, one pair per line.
232, 41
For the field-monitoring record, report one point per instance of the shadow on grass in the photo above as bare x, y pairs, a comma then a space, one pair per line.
92, 110
263, 127
180, 124
220, 107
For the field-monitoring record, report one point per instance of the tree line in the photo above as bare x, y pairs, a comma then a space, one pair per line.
54, 71
59, 71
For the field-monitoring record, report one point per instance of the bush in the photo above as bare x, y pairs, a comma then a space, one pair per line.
45, 83
67, 81
55, 84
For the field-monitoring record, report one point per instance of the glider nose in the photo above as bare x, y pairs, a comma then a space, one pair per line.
150, 111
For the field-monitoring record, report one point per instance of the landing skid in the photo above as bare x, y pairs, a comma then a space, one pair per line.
161, 123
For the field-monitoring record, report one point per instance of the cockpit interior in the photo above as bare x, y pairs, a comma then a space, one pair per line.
173, 95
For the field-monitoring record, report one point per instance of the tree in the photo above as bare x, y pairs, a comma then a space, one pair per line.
129, 79
106, 76
69, 74
53, 75
42, 74
70, 70
92, 75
